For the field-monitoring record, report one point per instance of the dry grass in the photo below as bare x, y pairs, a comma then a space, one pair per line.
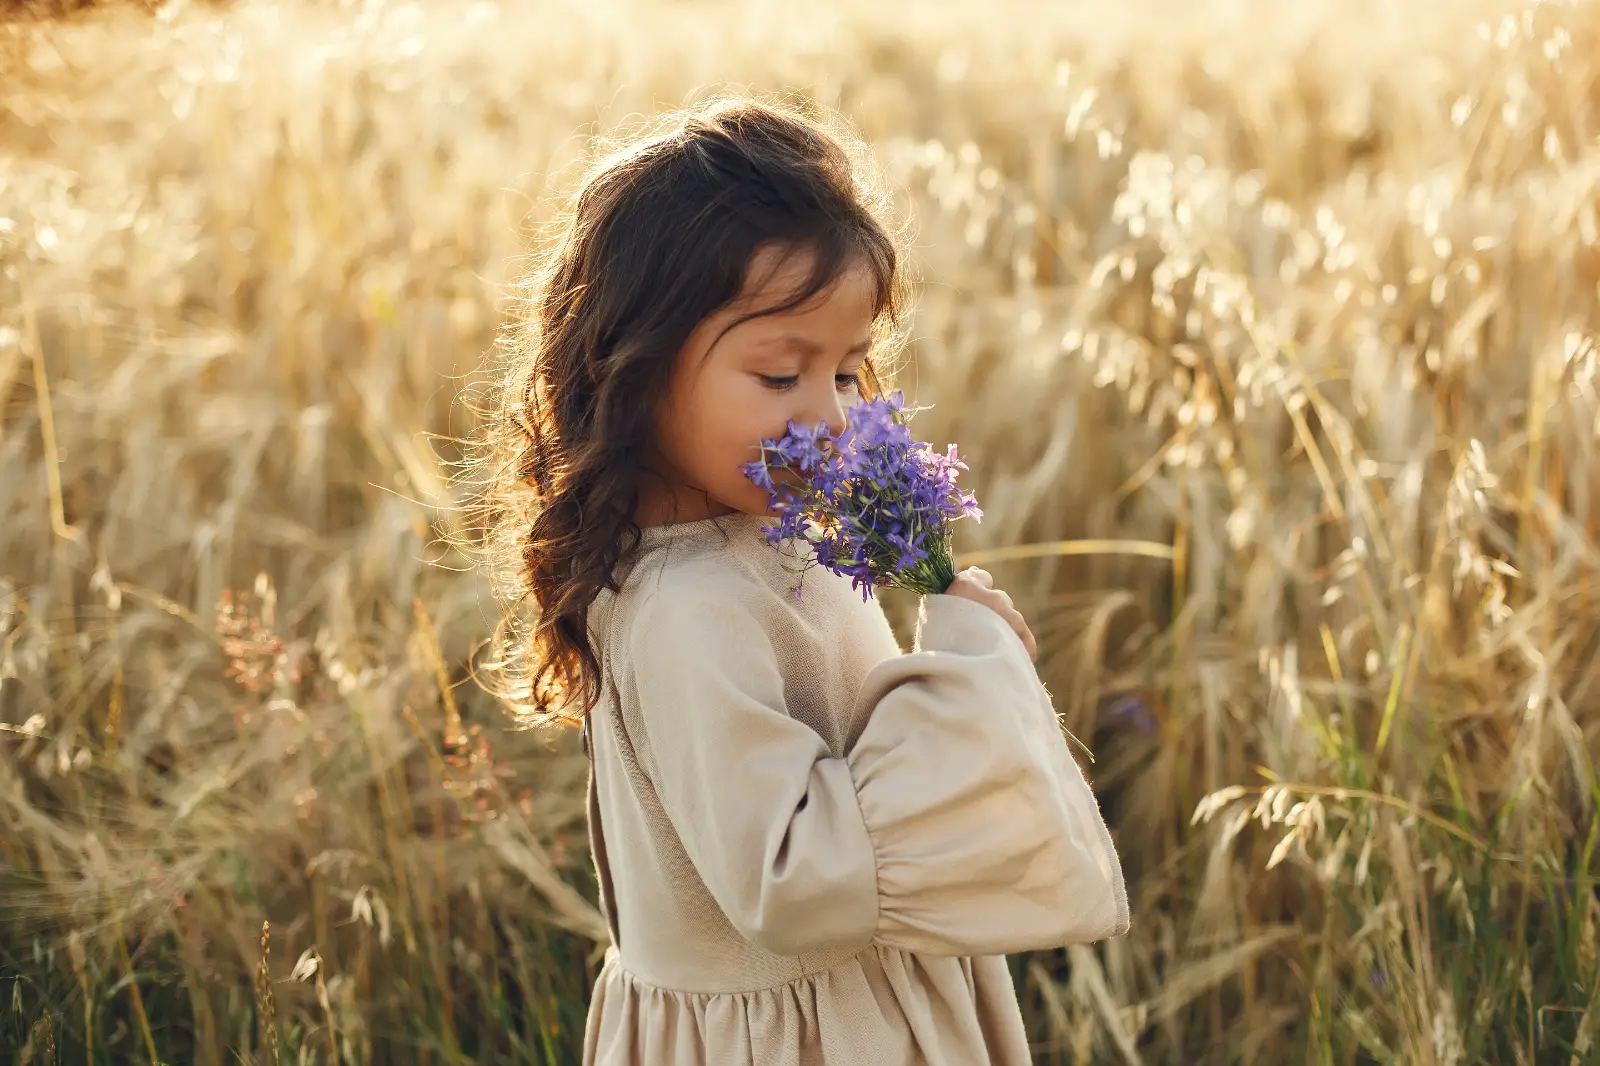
1290, 303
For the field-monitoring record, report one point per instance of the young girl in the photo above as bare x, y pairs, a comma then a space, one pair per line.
812, 847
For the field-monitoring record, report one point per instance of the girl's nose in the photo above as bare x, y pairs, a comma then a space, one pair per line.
840, 420
824, 402
835, 412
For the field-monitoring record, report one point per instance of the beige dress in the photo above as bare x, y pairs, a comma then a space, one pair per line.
814, 848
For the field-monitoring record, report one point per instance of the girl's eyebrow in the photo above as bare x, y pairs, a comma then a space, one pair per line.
806, 346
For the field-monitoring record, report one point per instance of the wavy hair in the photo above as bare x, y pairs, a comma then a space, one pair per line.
659, 236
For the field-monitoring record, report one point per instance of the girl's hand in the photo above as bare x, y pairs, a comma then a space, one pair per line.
978, 586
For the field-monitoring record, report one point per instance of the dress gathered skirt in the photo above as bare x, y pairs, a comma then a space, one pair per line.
815, 848
881, 1006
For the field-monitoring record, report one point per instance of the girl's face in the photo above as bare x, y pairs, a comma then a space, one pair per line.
729, 391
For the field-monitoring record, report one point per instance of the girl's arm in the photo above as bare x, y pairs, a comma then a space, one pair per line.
986, 835
958, 824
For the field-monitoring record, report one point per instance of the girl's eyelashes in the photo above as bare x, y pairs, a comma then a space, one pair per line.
841, 381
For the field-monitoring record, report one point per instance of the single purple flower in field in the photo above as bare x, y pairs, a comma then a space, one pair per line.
875, 503
1131, 708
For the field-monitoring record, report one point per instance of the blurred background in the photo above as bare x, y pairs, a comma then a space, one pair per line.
1266, 327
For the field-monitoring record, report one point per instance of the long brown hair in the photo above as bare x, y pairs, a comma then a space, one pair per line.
660, 235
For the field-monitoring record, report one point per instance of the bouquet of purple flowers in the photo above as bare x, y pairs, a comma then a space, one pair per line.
875, 504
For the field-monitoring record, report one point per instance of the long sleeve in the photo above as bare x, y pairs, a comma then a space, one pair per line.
957, 824
987, 838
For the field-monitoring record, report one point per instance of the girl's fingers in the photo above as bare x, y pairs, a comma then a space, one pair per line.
1020, 626
999, 601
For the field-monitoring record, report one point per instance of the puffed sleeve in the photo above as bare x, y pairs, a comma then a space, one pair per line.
958, 824
986, 837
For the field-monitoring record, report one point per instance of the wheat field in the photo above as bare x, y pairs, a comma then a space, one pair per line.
1266, 327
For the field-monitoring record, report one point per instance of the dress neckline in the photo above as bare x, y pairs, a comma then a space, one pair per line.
736, 522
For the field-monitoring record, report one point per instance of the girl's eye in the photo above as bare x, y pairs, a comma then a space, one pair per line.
841, 381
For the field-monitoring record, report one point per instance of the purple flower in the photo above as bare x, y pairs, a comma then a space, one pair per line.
1135, 710
875, 503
